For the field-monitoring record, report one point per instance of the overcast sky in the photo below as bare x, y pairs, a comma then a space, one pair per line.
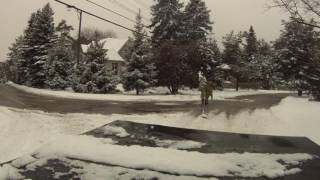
227, 15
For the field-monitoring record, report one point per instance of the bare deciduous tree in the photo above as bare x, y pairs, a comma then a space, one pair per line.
302, 11
94, 34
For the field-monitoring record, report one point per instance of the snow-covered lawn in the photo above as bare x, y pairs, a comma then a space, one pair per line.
157, 94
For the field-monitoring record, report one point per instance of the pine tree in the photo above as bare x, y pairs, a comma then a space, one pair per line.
140, 71
197, 26
3, 72
166, 21
95, 77
262, 69
16, 63
59, 67
197, 21
233, 56
38, 40
251, 47
210, 54
264, 48
166, 38
313, 76
296, 50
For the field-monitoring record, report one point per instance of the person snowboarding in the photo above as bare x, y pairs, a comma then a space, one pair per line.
206, 88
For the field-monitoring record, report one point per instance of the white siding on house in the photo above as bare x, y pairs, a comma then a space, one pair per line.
114, 61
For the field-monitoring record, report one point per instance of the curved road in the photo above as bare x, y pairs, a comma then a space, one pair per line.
12, 97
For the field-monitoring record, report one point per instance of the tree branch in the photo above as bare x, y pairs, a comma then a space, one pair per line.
292, 7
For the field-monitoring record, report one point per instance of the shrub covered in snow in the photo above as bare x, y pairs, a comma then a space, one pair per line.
93, 76
61, 59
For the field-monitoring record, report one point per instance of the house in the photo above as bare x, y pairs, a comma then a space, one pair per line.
115, 60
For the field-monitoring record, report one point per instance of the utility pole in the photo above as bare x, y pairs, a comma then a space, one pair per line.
79, 37
80, 11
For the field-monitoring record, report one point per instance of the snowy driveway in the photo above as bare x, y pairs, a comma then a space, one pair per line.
230, 102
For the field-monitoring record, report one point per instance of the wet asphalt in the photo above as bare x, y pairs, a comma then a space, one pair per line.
12, 97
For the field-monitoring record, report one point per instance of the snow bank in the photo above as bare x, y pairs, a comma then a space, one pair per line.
9, 172
182, 144
23, 131
99, 172
190, 95
173, 161
22, 161
114, 130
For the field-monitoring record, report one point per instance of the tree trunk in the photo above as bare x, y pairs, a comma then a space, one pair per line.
137, 91
237, 84
316, 94
173, 89
299, 92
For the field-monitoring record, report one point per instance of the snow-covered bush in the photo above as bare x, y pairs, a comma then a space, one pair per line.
92, 76
59, 66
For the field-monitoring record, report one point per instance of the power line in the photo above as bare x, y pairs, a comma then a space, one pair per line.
107, 9
132, 5
124, 7
137, 6
143, 4
98, 17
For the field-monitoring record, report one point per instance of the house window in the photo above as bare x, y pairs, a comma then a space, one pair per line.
115, 67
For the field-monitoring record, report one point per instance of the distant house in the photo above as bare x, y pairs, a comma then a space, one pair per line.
115, 59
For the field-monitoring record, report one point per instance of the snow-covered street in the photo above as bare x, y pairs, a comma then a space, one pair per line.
24, 131
29, 129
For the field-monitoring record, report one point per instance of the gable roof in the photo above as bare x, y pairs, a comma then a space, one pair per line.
113, 46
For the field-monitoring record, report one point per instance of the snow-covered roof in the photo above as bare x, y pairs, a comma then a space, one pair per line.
225, 67
85, 47
113, 45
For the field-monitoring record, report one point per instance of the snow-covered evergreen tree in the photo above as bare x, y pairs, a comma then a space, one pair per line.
16, 63
95, 77
296, 50
251, 46
167, 32
233, 56
216, 73
59, 67
196, 21
211, 61
38, 40
313, 76
166, 21
262, 68
196, 28
3, 72
140, 71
